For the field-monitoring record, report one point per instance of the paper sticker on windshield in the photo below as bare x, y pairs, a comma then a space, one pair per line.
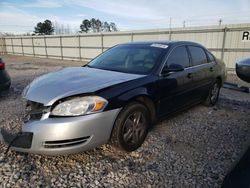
159, 45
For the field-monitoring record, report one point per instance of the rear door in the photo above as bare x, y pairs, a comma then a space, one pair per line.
175, 88
211, 71
201, 69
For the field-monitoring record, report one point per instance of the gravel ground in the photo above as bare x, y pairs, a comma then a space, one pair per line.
195, 148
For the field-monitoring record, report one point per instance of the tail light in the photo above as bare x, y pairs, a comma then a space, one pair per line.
2, 65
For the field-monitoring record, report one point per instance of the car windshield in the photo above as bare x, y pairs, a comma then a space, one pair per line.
137, 59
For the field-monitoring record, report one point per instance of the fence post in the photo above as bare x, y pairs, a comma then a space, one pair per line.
33, 48
170, 34
22, 46
45, 46
223, 42
4, 46
132, 37
79, 44
2, 43
102, 42
61, 47
12, 45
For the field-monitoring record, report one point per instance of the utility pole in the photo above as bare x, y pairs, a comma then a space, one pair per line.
220, 21
184, 24
170, 23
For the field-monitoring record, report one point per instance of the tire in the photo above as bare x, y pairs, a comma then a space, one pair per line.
213, 95
131, 127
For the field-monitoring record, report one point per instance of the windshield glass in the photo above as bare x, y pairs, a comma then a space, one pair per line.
137, 59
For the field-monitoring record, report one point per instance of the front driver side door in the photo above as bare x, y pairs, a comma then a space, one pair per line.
175, 88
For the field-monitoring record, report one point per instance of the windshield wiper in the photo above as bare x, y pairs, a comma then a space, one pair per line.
87, 66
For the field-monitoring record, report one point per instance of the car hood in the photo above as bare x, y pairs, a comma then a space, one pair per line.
66, 82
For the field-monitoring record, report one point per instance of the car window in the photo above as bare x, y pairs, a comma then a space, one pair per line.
138, 59
198, 55
118, 54
179, 56
210, 57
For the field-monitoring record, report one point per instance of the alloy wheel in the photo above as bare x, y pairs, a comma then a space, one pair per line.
134, 128
214, 92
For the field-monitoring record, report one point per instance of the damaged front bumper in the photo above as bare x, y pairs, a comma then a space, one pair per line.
62, 135
21, 140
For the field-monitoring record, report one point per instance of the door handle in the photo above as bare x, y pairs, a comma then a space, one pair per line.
211, 69
189, 75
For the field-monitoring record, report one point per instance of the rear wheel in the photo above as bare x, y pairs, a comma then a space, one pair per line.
131, 127
214, 92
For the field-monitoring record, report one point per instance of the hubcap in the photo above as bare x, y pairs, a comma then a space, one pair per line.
214, 92
134, 128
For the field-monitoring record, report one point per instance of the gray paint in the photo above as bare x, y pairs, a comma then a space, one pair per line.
98, 126
51, 87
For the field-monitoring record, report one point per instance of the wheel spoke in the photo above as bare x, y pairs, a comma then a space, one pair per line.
128, 135
135, 136
128, 124
137, 118
214, 92
128, 130
134, 129
140, 130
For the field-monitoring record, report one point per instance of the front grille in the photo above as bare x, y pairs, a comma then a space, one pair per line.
34, 111
65, 143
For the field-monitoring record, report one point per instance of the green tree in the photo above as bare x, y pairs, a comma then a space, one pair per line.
96, 25
85, 26
113, 26
44, 28
106, 27
93, 24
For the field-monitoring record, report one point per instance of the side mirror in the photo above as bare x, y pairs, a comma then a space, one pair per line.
243, 69
173, 68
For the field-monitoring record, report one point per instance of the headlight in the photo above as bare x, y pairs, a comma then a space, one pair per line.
79, 106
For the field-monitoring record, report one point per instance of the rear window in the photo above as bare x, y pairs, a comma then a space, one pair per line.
210, 57
198, 55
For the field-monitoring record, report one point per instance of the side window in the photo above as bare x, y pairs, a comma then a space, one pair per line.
198, 55
210, 57
179, 56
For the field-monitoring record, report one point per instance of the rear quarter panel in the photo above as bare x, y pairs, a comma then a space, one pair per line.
221, 70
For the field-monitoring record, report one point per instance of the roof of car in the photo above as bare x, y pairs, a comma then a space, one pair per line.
164, 42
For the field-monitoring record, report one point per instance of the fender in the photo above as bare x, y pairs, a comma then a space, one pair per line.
141, 91
123, 99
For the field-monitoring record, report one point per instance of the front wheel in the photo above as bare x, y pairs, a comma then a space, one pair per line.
213, 95
131, 127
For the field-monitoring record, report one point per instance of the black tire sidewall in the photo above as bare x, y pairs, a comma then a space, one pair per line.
210, 93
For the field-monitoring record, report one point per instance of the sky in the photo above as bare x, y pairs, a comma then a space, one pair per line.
19, 16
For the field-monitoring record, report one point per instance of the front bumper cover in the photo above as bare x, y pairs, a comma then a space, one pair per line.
66, 135
21, 140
